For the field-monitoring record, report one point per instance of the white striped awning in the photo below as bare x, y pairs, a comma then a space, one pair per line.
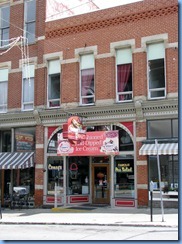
16, 160
163, 149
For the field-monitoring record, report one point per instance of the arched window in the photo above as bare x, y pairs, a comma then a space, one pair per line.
52, 144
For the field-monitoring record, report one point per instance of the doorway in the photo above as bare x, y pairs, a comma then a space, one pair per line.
100, 184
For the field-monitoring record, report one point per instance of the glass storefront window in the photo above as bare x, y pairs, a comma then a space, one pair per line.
55, 174
124, 176
27, 179
25, 139
52, 145
125, 141
78, 176
169, 172
6, 141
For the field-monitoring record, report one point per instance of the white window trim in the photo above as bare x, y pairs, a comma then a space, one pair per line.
80, 84
32, 102
8, 27
26, 22
53, 100
161, 88
123, 93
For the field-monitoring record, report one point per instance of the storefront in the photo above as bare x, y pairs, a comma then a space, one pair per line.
85, 175
17, 163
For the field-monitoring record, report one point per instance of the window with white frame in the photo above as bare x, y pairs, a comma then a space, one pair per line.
30, 20
156, 70
54, 70
124, 75
3, 90
87, 79
4, 25
28, 87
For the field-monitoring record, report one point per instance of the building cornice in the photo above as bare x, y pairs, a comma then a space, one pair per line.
104, 23
133, 111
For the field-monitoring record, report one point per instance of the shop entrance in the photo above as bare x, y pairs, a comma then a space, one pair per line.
100, 184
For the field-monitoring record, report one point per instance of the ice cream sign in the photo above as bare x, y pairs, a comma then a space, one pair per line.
94, 143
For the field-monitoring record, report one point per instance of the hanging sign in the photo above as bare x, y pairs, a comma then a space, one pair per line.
94, 143
76, 131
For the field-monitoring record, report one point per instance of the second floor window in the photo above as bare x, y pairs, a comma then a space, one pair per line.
3, 90
54, 83
30, 18
156, 71
28, 87
87, 79
4, 25
124, 74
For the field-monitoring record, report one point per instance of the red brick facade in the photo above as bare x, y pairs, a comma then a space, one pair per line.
97, 31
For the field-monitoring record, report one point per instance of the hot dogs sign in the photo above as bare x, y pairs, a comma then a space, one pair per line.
82, 143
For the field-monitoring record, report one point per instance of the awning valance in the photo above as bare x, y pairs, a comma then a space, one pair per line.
163, 149
16, 160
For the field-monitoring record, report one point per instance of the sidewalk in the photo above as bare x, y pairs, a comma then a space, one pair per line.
91, 216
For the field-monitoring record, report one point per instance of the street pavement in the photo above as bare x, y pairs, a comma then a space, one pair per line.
82, 215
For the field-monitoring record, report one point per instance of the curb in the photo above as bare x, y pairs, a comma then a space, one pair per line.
89, 224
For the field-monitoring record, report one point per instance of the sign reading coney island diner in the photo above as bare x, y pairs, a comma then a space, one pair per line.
94, 143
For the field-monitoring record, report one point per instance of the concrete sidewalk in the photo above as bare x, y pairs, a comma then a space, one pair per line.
91, 216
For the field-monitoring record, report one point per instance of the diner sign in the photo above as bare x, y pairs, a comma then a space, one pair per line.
95, 143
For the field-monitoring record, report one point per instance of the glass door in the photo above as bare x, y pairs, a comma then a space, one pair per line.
100, 184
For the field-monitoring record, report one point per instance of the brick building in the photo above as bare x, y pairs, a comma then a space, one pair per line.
114, 69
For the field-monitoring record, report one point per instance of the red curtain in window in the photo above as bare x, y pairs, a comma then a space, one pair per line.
123, 72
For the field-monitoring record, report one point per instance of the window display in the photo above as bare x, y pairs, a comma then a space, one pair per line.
55, 174
169, 172
124, 176
78, 175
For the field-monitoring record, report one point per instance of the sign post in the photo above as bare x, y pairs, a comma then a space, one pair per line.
159, 174
151, 200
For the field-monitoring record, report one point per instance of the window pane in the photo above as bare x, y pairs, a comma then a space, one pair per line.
6, 141
169, 172
5, 37
124, 177
154, 94
31, 11
156, 73
55, 175
54, 86
125, 141
159, 129
78, 175
5, 12
87, 86
175, 127
25, 139
30, 32
3, 92
28, 90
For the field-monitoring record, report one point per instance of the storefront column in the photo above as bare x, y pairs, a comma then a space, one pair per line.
112, 182
64, 181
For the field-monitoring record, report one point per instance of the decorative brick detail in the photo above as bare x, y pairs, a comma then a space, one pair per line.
112, 22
